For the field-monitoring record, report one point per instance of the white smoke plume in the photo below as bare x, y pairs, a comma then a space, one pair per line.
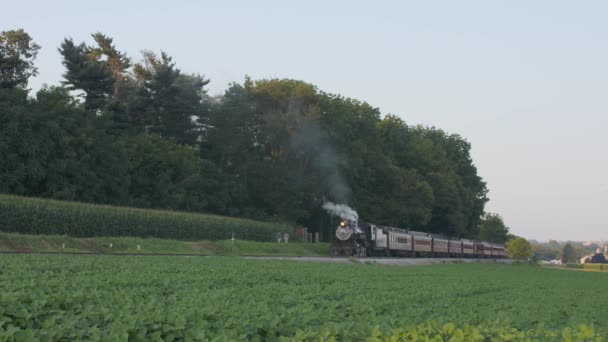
311, 140
341, 210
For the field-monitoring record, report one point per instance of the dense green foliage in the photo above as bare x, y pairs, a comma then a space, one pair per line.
42, 216
492, 228
146, 134
201, 299
17, 54
519, 248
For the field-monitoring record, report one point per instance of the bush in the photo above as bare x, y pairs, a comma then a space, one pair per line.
519, 248
43, 216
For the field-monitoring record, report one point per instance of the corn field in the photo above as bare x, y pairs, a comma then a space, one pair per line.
43, 216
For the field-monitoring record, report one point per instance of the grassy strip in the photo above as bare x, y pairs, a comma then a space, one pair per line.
586, 267
595, 267
581, 267
43, 216
11, 242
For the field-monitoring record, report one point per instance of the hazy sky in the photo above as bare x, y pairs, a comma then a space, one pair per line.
521, 80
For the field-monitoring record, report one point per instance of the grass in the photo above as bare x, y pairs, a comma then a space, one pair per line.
12, 242
105, 298
581, 267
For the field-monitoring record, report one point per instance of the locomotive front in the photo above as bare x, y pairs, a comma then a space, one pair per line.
344, 231
350, 240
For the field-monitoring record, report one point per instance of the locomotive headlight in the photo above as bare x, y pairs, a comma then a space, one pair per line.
342, 224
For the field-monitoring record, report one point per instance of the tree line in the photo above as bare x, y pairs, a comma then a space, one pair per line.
144, 133
569, 251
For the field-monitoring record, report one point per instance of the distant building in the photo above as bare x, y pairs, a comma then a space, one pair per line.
597, 258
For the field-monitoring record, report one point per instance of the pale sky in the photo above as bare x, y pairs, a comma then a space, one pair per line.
521, 80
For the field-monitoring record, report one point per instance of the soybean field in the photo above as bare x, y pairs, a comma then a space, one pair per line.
136, 298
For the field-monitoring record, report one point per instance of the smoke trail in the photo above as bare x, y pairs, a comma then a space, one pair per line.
341, 210
312, 140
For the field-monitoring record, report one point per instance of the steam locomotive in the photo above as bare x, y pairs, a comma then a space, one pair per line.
354, 238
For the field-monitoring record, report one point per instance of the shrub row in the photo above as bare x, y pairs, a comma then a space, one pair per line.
43, 216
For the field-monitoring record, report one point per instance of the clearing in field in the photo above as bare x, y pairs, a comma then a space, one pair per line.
198, 299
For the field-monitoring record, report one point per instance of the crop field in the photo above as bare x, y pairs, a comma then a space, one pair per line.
136, 298
35, 216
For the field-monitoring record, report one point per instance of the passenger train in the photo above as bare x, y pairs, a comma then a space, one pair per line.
361, 239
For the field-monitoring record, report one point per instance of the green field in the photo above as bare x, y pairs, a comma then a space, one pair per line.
131, 298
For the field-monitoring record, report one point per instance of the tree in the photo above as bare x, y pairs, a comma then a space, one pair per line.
149, 135
493, 229
165, 175
117, 62
547, 250
17, 54
102, 73
460, 194
16, 158
51, 147
168, 102
519, 248
568, 253
87, 71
